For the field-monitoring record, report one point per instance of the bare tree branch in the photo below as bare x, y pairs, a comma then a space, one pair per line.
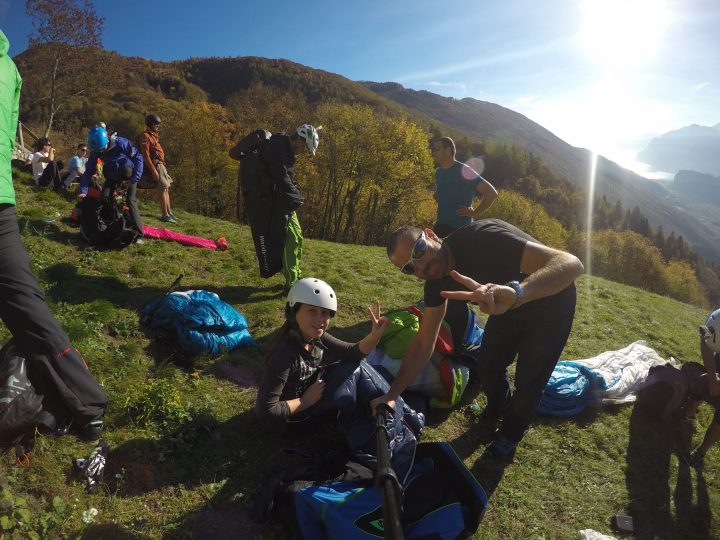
66, 31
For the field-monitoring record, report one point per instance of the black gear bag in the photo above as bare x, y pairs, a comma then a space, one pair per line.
104, 224
46, 395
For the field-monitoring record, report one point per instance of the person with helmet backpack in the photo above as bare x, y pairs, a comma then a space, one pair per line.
705, 386
155, 173
271, 196
122, 167
39, 342
293, 383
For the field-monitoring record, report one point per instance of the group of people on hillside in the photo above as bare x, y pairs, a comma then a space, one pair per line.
46, 170
122, 164
526, 288
127, 166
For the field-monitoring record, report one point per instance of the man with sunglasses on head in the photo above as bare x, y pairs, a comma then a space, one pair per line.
525, 287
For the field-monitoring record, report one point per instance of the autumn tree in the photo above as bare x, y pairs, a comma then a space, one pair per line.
373, 174
625, 257
530, 217
196, 140
682, 283
66, 32
261, 106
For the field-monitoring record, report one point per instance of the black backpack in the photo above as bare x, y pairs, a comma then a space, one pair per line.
21, 407
252, 143
46, 395
104, 224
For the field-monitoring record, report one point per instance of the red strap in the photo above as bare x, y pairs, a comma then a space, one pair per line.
444, 343
23, 460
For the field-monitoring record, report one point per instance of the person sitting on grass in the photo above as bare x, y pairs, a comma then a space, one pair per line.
76, 167
46, 171
293, 383
707, 387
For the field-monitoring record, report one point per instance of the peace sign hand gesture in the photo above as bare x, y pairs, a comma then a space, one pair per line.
379, 322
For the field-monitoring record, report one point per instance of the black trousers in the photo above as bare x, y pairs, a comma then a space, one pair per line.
130, 199
35, 329
51, 176
535, 334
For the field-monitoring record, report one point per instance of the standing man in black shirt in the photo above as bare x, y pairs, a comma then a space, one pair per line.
527, 289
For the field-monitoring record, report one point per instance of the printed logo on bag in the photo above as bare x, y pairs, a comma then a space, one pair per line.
372, 523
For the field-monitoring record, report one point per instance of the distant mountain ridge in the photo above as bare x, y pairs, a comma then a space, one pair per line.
488, 120
704, 188
146, 83
695, 148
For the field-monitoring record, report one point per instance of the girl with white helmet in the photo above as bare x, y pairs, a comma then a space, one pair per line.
292, 383
708, 387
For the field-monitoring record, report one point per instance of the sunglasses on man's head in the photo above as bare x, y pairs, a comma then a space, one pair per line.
419, 248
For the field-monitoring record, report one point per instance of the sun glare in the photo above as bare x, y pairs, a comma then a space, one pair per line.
622, 33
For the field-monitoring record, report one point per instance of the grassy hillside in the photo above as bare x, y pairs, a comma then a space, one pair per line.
187, 456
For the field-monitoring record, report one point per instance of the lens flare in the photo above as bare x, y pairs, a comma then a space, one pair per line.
477, 165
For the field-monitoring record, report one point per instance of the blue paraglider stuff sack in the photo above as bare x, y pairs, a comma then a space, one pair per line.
202, 323
568, 391
442, 500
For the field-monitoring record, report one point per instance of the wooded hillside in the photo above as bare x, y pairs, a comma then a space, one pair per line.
373, 171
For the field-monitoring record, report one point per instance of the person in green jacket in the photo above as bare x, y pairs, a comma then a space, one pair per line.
10, 83
34, 328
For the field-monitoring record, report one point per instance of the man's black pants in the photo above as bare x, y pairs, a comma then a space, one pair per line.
51, 176
536, 334
35, 329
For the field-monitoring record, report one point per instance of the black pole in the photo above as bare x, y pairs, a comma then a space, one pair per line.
144, 319
385, 478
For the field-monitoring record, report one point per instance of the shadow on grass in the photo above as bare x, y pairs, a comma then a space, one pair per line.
247, 295
107, 531
47, 228
231, 459
652, 446
73, 288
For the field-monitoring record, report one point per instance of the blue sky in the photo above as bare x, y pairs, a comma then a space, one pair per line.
601, 74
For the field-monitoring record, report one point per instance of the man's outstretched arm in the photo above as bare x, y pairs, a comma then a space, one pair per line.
418, 354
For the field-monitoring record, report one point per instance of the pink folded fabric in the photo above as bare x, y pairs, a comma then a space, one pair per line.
172, 236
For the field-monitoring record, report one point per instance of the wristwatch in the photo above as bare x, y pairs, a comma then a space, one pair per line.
519, 293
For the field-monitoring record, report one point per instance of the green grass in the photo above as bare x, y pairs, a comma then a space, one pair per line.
187, 456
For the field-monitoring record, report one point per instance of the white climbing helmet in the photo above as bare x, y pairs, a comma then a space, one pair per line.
314, 292
310, 134
710, 331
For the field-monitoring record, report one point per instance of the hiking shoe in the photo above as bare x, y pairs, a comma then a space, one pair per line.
173, 216
92, 431
502, 449
694, 459
168, 219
